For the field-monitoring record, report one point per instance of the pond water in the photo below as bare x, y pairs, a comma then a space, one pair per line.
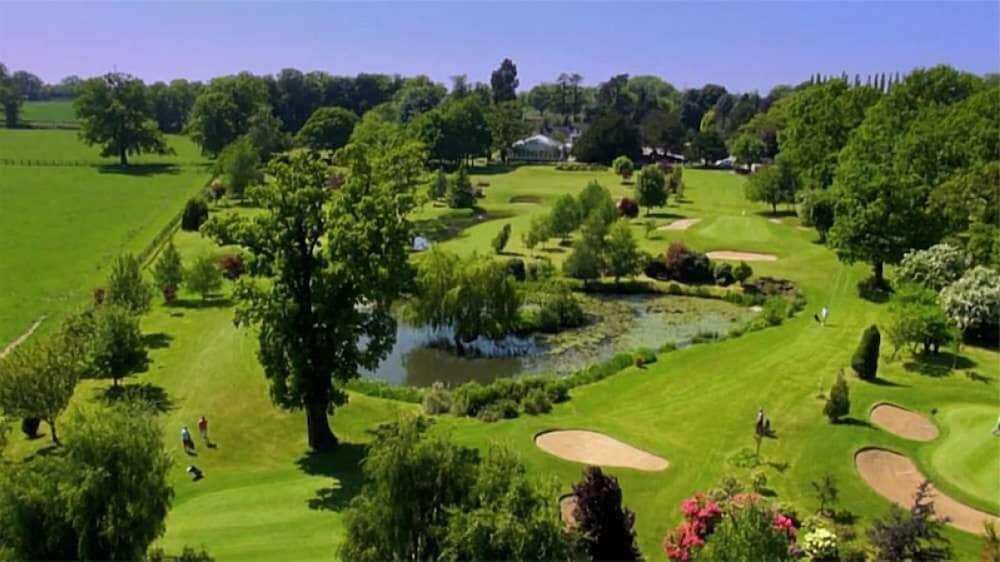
618, 323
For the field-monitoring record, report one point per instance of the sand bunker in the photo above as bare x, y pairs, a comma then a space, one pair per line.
590, 447
903, 423
741, 256
896, 477
532, 199
681, 224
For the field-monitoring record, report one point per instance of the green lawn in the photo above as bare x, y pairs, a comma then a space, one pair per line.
63, 224
968, 457
53, 111
264, 497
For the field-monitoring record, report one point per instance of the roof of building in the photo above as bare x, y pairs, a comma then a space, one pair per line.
539, 139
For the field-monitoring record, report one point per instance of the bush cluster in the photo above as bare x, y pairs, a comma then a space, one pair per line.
232, 266
628, 208
558, 309
503, 398
681, 264
382, 389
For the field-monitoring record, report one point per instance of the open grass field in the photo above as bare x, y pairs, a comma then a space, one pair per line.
62, 225
265, 497
48, 112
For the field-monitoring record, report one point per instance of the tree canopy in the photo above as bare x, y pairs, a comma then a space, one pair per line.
327, 128
115, 112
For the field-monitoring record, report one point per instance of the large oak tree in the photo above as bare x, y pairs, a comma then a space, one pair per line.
115, 112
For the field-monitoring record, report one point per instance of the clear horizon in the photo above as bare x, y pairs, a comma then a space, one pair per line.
744, 47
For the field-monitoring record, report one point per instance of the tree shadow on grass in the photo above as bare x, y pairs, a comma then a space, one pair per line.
885, 382
142, 170
979, 377
343, 465
854, 422
158, 340
143, 395
661, 215
776, 215
844, 517
939, 365
197, 304
494, 169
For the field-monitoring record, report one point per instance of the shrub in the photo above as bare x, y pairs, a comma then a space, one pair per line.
934, 268
865, 359
169, 271
501, 239
195, 213
724, 275
688, 266
606, 524
239, 163
559, 310
461, 194
503, 409
701, 516
773, 313
820, 545
204, 277
742, 272
628, 208
644, 356
758, 481
382, 389
216, 190
232, 266
537, 402
469, 398
437, 400
839, 402
623, 167
540, 270
127, 287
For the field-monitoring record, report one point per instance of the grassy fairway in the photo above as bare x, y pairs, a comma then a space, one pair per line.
968, 458
46, 112
63, 224
264, 497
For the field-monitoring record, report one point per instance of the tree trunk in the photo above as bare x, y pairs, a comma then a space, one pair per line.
321, 437
459, 348
123, 156
877, 272
774, 208
55, 436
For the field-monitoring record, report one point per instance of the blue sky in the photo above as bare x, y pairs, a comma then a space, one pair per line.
743, 46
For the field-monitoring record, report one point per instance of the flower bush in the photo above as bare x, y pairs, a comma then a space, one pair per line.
701, 516
820, 545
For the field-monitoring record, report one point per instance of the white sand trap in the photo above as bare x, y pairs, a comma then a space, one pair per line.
895, 477
904, 423
681, 224
590, 447
741, 256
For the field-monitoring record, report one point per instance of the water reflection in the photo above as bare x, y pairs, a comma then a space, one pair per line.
620, 323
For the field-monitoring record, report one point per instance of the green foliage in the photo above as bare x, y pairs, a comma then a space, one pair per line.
586, 261
126, 286
895, 160
195, 213
774, 311
565, 216
322, 252
204, 276
461, 193
608, 137
747, 149
838, 404
474, 297
816, 207
118, 345
865, 358
595, 199
437, 400
10, 99
504, 82
558, 309
623, 167
223, 110
772, 184
536, 402
105, 497
826, 487
917, 319
265, 134
500, 240
675, 182
983, 244
973, 302
651, 189
239, 164
622, 255
456, 130
382, 389
934, 268
114, 112
37, 381
707, 147
506, 124
742, 272
425, 498
328, 128
538, 232
168, 273
747, 532
818, 121
438, 187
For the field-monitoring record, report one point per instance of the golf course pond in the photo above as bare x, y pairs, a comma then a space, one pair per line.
616, 323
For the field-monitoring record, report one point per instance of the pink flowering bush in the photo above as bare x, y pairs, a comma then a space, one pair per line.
742, 522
